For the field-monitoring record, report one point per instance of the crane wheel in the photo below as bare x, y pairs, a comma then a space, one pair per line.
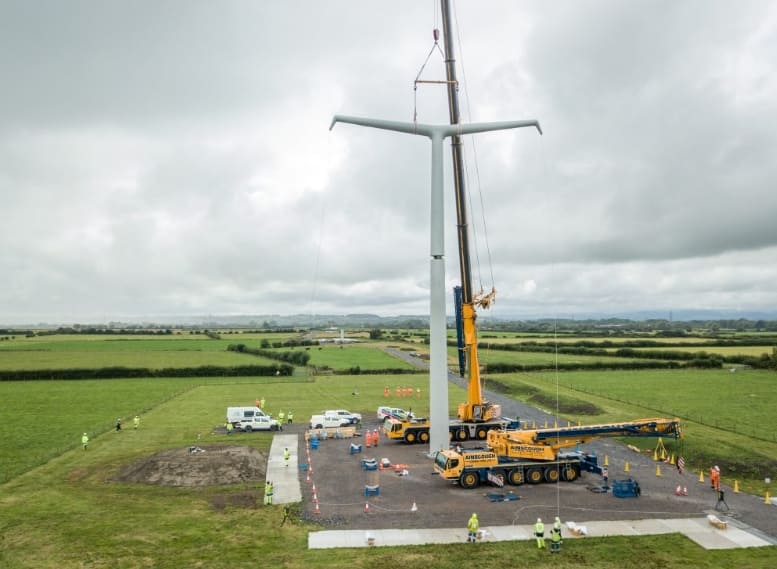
481, 433
469, 480
461, 435
423, 437
569, 473
410, 437
515, 476
552, 474
534, 476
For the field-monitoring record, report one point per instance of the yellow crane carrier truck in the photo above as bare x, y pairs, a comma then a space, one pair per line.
534, 456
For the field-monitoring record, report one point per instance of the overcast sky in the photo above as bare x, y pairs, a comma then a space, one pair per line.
174, 158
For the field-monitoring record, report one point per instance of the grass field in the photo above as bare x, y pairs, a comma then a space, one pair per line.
541, 358
348, 356
68, 513
60, 509
729, 418
722, 350
76, 351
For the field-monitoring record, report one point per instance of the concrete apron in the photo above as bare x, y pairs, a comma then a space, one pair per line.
286, 486
698, 530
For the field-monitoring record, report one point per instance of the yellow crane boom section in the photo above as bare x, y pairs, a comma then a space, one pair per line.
544, 444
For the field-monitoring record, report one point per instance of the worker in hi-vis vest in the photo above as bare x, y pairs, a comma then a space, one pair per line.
539, 533
472, 526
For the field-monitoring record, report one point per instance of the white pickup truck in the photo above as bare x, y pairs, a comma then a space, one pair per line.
260, 423
352, 418
328, 420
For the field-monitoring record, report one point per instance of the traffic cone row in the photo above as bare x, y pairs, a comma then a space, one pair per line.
681, 490
317, 509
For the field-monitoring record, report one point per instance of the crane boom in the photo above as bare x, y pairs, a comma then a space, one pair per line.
544, 444
475, 408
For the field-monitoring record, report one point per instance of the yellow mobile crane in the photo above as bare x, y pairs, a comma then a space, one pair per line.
533, 456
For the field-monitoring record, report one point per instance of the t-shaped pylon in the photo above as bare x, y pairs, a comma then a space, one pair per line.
438, 372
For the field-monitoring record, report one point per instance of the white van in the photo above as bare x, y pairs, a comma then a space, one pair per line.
236, 415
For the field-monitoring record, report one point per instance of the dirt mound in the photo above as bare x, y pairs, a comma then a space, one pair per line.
198, 466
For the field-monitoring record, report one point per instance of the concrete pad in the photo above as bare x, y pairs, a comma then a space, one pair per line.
696, 529
286, 486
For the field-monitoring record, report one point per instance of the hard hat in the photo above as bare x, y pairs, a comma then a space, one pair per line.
474, 515
558, 520
717, 468
539, 520
84, 433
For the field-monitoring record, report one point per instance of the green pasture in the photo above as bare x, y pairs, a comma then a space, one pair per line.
347, 356
108, 343
725, 351
549, 339
72, 407
729, 417
94, 351
69, 513
26, 360
540, 358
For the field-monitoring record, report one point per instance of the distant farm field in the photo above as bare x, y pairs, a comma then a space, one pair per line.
343, 357
52, 352
549, 359
724, 351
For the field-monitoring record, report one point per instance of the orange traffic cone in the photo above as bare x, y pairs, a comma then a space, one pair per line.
317, 510
315, 497
679, 490
307, 479
366, 507
685, 490
626, 466
736, 486
368, 439
701, 476
658, 470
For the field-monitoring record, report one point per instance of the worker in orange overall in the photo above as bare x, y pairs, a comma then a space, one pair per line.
715, 478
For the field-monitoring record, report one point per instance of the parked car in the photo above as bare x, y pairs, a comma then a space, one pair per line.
260, 423
394, 412
327, 421
352, 418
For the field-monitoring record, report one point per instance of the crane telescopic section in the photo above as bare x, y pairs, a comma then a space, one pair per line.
475, 408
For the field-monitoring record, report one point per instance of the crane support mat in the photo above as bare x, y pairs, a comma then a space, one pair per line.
502, 497
626, 488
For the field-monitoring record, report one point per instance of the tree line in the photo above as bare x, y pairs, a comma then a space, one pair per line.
120, 372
